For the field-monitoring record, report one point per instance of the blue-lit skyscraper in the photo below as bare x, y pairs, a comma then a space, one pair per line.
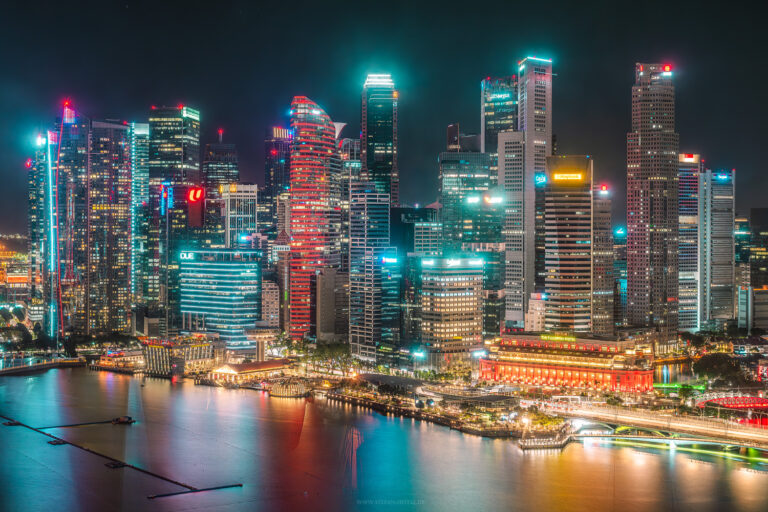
498, 113
463, 179
379, 135
221, 292
139, 135
69, 192
620, 276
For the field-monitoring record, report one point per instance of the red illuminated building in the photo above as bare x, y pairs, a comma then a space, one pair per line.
567, 361
315, 207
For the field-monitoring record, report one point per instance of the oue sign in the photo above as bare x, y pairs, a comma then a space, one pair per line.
187, 256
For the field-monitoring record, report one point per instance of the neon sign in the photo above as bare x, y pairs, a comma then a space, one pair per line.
195, 194
568, 176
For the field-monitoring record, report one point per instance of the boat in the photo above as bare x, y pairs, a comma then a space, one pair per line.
123, 420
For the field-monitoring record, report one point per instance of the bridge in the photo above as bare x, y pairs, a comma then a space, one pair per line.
668, 440
731, 400
710, 430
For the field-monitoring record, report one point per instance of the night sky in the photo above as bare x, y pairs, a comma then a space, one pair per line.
240, 63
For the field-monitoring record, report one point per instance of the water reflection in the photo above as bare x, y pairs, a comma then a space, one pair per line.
295, 455
675, 372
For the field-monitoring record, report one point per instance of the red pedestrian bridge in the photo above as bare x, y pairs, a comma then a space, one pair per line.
732, 401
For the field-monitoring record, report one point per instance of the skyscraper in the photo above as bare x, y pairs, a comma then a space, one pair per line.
689, 174
174, 145
717, 251
139, 137
535, 111
463, 177
379, 135
36, 216
620, 276
369, 253
349, 151
742, 234
85, 197
239, 205
472, 218
522, 157
498, 113
314, 204
70, 196
108, 301
220, 165
579, 249
652, 205
174, 169
519, 224
450, 300
602, 262
758, 253
277, 175
221, 292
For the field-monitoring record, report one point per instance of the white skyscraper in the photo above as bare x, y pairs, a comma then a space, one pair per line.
535, 110
518, 226
240, 205
522, 160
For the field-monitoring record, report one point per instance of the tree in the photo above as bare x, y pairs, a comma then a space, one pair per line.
5, 315
719, 366
19, 313
70, 346
695, 340
685, 392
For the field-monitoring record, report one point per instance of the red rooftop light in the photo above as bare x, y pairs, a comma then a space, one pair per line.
667, 67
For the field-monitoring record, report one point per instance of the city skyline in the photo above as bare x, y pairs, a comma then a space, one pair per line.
580, 100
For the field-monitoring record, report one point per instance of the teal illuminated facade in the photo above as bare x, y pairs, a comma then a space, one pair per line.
139, 139
379, 135
498, 99
464, 178
221, 292
472, 217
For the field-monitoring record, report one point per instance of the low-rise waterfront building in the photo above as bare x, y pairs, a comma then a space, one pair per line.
243, 373
569, 361
122, 360
192, 354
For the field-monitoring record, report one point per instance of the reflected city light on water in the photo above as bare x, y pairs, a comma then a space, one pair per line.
292, 454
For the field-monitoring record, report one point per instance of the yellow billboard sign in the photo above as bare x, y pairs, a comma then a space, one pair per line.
568, 176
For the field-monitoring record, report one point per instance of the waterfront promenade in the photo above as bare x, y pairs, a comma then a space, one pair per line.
43, 365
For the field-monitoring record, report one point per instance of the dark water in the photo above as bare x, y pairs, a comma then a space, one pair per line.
295, 455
